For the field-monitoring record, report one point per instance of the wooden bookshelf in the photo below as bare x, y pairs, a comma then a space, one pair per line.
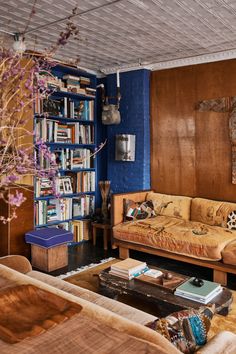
72, 113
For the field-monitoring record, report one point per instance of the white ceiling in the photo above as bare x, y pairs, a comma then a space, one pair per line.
127, 33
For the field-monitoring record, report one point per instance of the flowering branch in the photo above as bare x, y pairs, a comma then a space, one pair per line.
19, 81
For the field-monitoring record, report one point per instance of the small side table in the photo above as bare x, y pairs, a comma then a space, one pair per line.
106, 231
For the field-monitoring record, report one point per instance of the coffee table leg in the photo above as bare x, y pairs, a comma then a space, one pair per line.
103, 290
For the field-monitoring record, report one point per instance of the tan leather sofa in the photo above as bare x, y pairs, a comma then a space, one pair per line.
121, 325
192, 230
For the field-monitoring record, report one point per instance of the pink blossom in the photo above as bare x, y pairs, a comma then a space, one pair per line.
17, 199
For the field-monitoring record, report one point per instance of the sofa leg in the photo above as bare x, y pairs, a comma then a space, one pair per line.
123, 252
220, 277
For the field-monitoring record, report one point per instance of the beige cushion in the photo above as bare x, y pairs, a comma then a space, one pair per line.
171, 205
176, 235
211, 212
229, 253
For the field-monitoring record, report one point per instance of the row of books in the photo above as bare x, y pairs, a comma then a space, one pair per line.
66, 158
79, 84
60, 185
76, 80
84, 205
81, 230
79, 182
83, 181
65, 108
52, 131
47, 211
68, 83
60, 209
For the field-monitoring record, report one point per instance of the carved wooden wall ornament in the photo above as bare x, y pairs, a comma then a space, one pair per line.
222, 105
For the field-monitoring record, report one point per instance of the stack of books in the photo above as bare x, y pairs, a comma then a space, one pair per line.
203, 294
129, 268
81, 230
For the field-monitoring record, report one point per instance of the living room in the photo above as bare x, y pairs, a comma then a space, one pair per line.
130, 108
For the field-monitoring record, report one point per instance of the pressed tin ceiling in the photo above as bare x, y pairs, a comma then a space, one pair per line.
126, 33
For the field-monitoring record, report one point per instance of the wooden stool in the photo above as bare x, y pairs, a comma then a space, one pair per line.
49, 249
49, 259
106, 231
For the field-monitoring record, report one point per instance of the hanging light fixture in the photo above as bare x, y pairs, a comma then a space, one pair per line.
19, 43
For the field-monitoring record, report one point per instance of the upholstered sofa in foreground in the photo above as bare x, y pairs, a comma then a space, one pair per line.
103, 326
193, 230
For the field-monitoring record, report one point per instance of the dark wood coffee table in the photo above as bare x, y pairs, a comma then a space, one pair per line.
163, 302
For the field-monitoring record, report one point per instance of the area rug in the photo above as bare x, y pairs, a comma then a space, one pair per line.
84, 268
88, 279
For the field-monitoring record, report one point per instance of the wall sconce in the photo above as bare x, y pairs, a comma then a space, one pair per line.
110, 112
125, 147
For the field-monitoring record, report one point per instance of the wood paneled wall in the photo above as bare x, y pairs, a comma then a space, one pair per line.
190, 150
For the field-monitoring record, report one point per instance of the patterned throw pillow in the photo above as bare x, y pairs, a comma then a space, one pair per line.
231, 220
186, 329
138, 211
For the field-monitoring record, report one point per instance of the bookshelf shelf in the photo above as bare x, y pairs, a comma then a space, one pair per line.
71, 146
77, 170
65, 195
66, 121
58, 222
74, 96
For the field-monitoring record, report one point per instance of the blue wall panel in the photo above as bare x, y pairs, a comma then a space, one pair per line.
135, 119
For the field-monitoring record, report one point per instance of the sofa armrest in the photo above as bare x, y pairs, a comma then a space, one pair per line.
19, 263
117, 204
223, 342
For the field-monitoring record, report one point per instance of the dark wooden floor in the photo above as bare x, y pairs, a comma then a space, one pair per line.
85, 253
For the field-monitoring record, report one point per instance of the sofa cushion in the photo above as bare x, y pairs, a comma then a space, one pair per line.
176, 235
48, 237
137, 211
231, 220
186, 329
211, 212
229, 253
170, 205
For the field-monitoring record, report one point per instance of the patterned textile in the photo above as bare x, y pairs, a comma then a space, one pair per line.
186, 329
137, 211
211, 212
222, 105
231, 220
171, 205
176, 236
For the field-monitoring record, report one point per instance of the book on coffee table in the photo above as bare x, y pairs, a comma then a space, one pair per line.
128, 268
203, 294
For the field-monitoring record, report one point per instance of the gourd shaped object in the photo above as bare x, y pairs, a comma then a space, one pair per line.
110, 114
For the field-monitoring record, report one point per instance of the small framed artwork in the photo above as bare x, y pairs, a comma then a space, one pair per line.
67, 187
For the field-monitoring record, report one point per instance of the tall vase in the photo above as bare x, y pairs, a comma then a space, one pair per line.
105, 190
